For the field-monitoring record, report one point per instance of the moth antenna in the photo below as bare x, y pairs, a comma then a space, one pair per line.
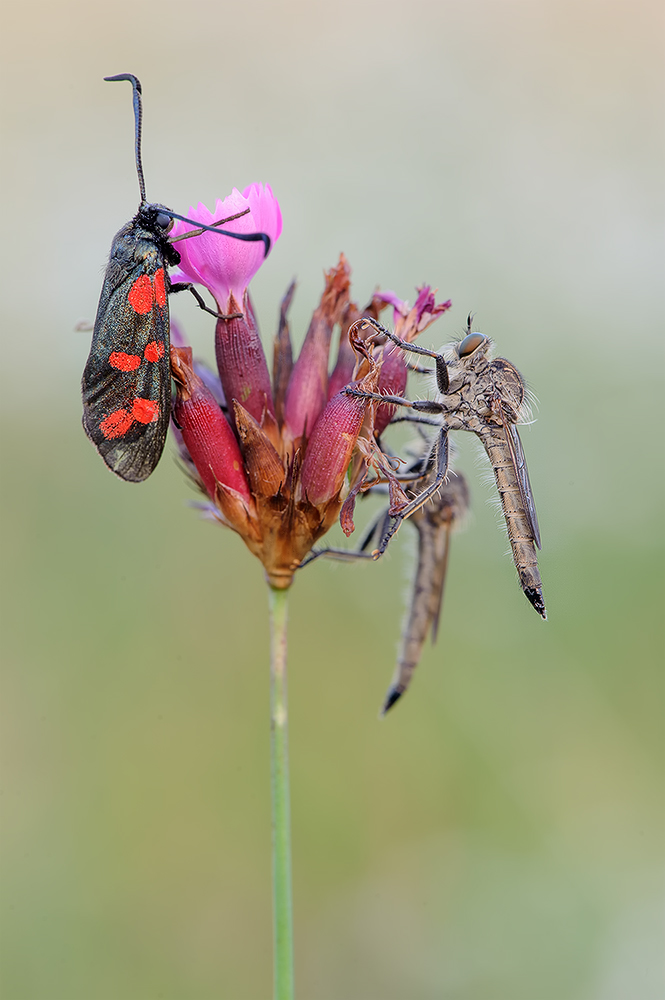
138, 122
246, 237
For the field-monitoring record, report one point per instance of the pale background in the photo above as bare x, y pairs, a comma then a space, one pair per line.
499, 836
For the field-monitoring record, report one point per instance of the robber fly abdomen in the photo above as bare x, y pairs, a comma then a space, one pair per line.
515, 510
434, 521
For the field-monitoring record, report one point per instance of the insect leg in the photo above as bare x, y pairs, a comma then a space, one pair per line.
419, 370
441, 367
420, 421
420, 405
349, 555
187, 286
439, 463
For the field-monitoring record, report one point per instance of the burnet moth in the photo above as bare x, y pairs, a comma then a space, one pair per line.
127, 381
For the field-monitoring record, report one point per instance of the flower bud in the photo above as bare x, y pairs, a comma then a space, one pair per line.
205, 431
335, 435
308, 385
243, 369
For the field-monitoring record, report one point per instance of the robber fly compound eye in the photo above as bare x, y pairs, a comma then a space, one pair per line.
470, 344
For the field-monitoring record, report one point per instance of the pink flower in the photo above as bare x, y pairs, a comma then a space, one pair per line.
224, 265
409, 322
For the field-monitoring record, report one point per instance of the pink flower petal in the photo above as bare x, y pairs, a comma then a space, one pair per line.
400, 305
224, 265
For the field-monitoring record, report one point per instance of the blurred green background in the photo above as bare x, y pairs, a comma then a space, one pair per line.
499, 835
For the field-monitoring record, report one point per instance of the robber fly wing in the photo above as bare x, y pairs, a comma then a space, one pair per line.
519, 463
439, 579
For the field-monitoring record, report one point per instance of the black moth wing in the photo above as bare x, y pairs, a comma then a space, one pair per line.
126, 382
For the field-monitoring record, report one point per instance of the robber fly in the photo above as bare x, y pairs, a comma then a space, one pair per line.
486, 396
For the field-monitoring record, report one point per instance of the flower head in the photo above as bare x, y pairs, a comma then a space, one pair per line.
224, 265
279, 493
282, 458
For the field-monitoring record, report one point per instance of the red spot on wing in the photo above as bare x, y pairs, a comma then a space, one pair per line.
116, 424
154, 350
141, 295
145, 411
124, 362
160, 288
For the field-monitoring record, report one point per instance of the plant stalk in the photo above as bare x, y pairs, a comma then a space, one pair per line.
281, 809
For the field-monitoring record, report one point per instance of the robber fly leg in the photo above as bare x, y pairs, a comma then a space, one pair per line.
187, 286
438, 463
420, 405
419, 370
377, 525
442, 379
420, 421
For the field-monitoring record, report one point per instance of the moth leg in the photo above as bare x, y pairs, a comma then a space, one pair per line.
187, 286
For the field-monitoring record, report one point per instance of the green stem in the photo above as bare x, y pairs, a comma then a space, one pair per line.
281, 820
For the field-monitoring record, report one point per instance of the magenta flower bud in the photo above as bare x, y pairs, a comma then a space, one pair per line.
330, 447
224, 265
205, 431
307, 390
242, 365
335, 435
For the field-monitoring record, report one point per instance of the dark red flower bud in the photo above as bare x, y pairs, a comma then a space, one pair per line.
330, 446
335, 435
205, 430
243, 369
308, 385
